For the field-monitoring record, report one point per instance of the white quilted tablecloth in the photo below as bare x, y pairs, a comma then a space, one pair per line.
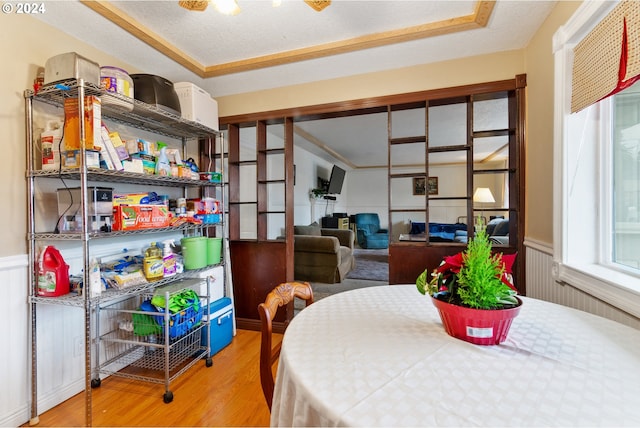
379, 356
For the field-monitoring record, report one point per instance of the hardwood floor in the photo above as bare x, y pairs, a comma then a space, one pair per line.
226, 394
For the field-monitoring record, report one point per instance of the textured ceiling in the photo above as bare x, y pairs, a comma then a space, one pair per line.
212, 41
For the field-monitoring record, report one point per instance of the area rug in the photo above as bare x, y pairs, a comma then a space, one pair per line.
371, 265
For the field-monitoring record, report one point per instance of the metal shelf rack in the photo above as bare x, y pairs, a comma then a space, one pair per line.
177, 354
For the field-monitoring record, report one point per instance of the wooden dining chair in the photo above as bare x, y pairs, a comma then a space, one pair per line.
278, 297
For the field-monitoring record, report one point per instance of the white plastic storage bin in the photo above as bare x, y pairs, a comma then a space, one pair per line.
197, 105
221, 324
216, 285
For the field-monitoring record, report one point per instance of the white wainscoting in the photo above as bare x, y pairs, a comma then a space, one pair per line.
60, 340
541, 285
60, 364
15, 367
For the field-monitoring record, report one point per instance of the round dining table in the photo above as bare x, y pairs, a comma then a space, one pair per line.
379, 356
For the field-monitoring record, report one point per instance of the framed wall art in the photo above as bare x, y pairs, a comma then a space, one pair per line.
432, 185
422, 185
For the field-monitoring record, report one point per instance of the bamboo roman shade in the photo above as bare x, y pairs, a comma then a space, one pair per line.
607, 60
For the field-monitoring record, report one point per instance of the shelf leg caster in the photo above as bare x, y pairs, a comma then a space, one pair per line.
95, 383
168, 397
209, 362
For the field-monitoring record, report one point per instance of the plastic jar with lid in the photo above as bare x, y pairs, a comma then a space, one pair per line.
114, 79
118, 81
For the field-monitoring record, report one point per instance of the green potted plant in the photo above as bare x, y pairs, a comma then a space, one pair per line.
317, 193
474, 292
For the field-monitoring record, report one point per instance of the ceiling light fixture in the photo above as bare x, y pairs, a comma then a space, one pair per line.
231, 7
198, 5
226, 7
318, 5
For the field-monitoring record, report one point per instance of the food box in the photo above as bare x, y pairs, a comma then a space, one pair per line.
130, 199
213, 177
71, 158
208, 218
92, 123
148, 162
137, 217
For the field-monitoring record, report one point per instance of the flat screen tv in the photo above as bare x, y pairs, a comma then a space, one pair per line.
336, 180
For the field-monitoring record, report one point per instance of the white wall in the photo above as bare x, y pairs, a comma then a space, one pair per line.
367, 191
308, 168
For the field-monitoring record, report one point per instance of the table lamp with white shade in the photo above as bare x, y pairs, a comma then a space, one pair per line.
483, 196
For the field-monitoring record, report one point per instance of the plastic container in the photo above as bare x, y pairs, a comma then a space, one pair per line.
168, 258
95, 280
180, 322
194, 252
114, 79
220, 316
163, 168
197, 105
152, 263
117, 80
478, 326
214, 248
53, 273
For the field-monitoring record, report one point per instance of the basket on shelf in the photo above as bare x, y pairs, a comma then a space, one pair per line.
185, 314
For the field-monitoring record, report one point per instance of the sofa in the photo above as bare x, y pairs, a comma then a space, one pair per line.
322, 255
497, 230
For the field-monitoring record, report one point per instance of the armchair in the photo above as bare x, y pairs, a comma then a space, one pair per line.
322, 255
368, 231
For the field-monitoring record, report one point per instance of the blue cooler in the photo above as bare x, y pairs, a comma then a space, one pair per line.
220, 326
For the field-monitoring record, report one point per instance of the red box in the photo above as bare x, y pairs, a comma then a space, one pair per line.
135, 217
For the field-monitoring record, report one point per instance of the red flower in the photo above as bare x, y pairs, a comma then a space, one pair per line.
453, 264
507, 261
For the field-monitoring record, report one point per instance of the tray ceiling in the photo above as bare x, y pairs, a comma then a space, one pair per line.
266, 47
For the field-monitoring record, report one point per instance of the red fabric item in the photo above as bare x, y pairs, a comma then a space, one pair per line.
622, 71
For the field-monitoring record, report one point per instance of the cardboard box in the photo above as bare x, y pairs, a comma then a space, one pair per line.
220, 325
148, 162
92, 123
137, 217
130, 199
71, 159
197, 105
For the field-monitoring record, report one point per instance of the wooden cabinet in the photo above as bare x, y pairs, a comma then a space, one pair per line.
335, 222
